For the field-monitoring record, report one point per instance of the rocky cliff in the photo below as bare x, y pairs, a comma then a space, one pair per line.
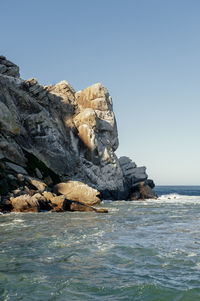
55, 134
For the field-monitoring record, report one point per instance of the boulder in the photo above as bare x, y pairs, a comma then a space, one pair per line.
36, 183
142, 191
70, 205
25, 203
55, 201
78, 191
150, 183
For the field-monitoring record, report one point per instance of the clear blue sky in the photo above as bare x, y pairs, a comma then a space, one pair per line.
146, 52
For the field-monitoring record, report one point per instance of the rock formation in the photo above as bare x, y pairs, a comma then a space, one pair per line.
75, 190
52, 134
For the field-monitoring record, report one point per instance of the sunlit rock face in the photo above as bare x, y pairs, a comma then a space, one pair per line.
73, 134
97, 130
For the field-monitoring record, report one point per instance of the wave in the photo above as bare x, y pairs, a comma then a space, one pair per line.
175, 197
180, 190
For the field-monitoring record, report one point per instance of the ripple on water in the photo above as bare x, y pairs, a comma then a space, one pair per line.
138, 251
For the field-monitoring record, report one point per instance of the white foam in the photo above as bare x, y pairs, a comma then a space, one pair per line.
18, 220
12, 223
176, 198
192, 254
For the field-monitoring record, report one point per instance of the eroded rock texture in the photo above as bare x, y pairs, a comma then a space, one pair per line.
57, 135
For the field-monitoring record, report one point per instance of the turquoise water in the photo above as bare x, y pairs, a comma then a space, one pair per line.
138, 251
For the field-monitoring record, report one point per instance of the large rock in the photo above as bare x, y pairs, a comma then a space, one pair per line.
142, 191
46, 202
77, 191
25, 203
97, 130
62, 134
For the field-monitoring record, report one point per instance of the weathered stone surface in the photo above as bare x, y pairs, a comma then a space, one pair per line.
16, 168
78, 191
150, 183
30, 203
8, 68
131, 172
38, 184
24, 203
71, 135
70, 205
8, 121
142, 191
55, 201
45, 202
97, 130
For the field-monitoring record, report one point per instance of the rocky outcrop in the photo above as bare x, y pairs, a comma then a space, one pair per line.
22, 193
132, 174
142, 191
38, 203
78, 206
51, 134
8, 68
78, 191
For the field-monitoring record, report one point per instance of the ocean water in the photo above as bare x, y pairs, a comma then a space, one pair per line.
142, 250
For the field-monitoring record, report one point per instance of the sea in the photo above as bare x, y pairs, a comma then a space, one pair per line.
141, 250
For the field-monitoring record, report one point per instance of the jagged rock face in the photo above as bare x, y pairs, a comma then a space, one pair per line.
74, 135
35, 120
132, 174
8, 68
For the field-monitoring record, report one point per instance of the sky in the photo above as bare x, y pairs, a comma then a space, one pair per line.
145, 52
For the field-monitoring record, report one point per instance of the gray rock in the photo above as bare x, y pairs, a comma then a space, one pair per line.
1, 156
142, 191
132, 174
38, 184
16, 168
38, 173
2, 68
8, 68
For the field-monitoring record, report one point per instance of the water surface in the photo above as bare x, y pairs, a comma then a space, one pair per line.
138, 251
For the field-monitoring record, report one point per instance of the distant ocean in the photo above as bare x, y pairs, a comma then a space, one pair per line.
142, 250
